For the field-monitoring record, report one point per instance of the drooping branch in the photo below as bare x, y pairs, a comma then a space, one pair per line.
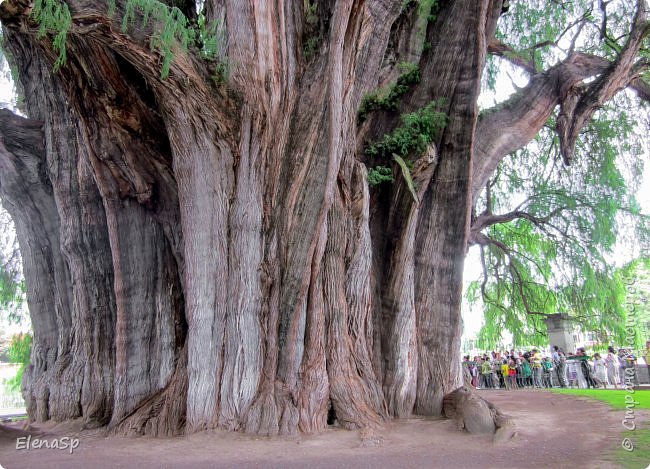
517, 281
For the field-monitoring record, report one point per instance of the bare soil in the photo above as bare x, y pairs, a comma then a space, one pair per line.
553, 431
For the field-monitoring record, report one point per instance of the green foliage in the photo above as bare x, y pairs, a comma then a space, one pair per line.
406, 4
312, 36
12, 287
427, 11
418, 130
112, 8
388, 98
174, 31
211, 37
311, 47
19, 352
380, 174
561, 256
311, 12
636, 280
12, 295
53, 17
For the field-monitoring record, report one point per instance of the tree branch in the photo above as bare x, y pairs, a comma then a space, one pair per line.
511, 125
579, 103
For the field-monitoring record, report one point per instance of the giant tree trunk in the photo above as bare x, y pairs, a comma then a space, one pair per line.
208, 253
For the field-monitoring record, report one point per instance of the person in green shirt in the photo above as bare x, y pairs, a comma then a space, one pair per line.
585, 367
486, 371
527, 372
547, 367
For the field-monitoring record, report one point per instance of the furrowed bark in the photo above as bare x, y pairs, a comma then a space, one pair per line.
212, 248
355, 391
398, 310
445, 213
81, 381
149, 330
147, 291
27, 196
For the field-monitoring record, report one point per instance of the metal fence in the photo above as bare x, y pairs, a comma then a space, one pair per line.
12, 400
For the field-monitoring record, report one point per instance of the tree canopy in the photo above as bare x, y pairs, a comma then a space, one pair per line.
12, 290
553, 223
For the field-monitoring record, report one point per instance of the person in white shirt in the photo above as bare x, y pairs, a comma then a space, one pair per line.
613, 365
600, 370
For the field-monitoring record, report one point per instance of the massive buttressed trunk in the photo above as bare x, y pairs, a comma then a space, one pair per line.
215, 253
204, 250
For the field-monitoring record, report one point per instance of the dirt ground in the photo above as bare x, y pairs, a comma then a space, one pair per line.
553, 431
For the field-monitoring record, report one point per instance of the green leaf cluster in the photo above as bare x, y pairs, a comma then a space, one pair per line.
53, 17
175, 30
311, 34
380, 174
418, 130
387, 99
19, 352
564, 257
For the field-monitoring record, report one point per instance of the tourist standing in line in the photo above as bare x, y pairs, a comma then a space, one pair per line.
559, 360
527, 372
537, 368
547, 367
585, 367
505, 370
600, 370
486, 371
613, 365
512, 372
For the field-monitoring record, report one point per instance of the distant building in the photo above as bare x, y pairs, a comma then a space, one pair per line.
562, 332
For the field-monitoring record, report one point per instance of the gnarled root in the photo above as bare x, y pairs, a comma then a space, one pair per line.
477, 415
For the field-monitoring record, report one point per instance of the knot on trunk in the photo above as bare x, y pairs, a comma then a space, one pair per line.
12, 10
477, 415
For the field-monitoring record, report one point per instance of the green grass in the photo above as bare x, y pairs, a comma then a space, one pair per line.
613, 397
639, 457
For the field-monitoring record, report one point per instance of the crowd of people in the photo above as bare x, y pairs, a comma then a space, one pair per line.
533, 369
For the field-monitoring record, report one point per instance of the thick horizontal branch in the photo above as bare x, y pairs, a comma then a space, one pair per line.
513, 124
488, 219
20, 136
579, 105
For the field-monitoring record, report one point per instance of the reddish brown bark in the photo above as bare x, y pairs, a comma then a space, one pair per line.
213, 248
